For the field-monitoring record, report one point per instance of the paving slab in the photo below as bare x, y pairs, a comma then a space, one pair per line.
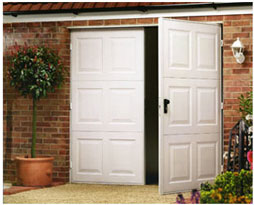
17, 189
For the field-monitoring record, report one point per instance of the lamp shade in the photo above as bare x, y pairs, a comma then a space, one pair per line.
237, 44
237, 49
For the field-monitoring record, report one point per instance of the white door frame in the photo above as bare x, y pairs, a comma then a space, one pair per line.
159, 73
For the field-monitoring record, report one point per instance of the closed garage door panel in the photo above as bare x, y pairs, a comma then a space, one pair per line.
108, 106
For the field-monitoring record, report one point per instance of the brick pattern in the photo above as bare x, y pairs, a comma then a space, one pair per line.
53, 113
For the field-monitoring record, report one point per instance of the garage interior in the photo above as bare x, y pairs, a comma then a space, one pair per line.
151, 105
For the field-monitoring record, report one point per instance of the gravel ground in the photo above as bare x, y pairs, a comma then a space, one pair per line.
93, 194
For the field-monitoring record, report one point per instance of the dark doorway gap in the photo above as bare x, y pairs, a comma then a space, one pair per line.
151, 105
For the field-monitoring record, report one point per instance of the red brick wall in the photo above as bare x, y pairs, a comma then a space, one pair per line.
53, 113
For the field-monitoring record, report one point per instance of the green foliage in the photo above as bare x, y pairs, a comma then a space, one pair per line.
35, 71
206, 186
230, 187
246, 104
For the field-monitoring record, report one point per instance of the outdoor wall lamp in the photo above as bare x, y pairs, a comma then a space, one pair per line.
237, 48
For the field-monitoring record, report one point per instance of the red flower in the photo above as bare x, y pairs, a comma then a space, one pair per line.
35, 58
35, 48
250, 159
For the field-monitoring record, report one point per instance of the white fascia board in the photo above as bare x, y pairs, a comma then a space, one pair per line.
127, 14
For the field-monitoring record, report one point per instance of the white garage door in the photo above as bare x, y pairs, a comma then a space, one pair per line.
107, 117
190, 124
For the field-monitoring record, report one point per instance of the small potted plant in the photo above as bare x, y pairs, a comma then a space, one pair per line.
34, 72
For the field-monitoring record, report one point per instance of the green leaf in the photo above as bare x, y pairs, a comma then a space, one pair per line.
36, 78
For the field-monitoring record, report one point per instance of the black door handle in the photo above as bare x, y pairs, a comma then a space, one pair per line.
166, 102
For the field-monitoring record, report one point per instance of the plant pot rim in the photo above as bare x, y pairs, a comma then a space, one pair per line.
41, 158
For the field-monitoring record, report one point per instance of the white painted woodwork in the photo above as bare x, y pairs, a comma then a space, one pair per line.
107, 117
189, 61
103, 55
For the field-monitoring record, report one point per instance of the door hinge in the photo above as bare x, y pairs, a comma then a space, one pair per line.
221, 168
70, 46
70, 106
221, 43
221, 105
70, 164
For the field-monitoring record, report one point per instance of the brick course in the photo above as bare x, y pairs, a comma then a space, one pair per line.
53, 113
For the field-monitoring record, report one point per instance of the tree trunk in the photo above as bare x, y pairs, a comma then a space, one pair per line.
34, 128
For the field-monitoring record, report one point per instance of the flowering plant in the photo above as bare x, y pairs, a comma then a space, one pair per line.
245, 107
230, 187
34, 72
250, 159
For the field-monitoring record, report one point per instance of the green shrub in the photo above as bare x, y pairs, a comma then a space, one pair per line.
230, 187
245, 107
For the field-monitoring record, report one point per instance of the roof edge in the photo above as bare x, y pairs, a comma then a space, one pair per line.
136, 8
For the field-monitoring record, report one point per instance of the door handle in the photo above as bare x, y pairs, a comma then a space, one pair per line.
166, 102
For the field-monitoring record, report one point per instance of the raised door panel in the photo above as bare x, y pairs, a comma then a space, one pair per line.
108, 55
88, 112
179, 161
207, 106
125, 53
179, 53
208, 157
207, 118
89, 55
87, 156
190, 159
122, 55
207, 53
181, 108
125, 106
123, 154
191, 51
194, 106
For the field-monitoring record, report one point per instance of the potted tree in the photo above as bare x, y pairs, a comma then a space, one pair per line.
34, 72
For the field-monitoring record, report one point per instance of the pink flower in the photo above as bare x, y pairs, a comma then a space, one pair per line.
250, 159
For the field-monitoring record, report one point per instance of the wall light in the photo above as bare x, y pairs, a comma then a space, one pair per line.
237, 48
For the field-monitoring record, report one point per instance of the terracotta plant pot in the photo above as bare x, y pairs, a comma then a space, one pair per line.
36, 172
